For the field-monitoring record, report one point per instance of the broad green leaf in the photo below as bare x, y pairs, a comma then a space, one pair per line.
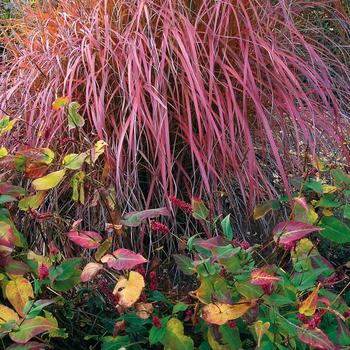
313, 185
335, 230
75, 120
328, 201
135, 219
261, 210
48, 181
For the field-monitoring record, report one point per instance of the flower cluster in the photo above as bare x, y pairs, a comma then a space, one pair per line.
178, 203
159, 228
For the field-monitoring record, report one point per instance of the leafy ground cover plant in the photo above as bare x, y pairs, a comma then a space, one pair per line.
85, 288
192, 97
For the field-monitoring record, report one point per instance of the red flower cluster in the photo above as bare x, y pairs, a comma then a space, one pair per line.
156, 322
232, 324
312, 323
178, 203
141, 270
103, 287
43, 271
153, 280
159, 227
243, 244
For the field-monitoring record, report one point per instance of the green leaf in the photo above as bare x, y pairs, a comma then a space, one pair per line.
226, 227
156, 334
341, 178
335, 230
327, 201
313, 185
179, 307
5, 198
346, 211
75, 120
114, 343
200, 211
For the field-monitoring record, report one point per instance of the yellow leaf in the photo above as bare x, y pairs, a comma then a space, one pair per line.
261, 210
32, 202
6, 124
18, 293
261, 328
60, 102
7, 314
328, 188
309, 305
48, 181
327, 212
175, 337
129, 290
220, 313
214, 344
95, 152
3, 152
74, 161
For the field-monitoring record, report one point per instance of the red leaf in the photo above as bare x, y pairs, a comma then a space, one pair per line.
290, 231
316, 338
123, 259
261, 278
32, 345
86, 239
